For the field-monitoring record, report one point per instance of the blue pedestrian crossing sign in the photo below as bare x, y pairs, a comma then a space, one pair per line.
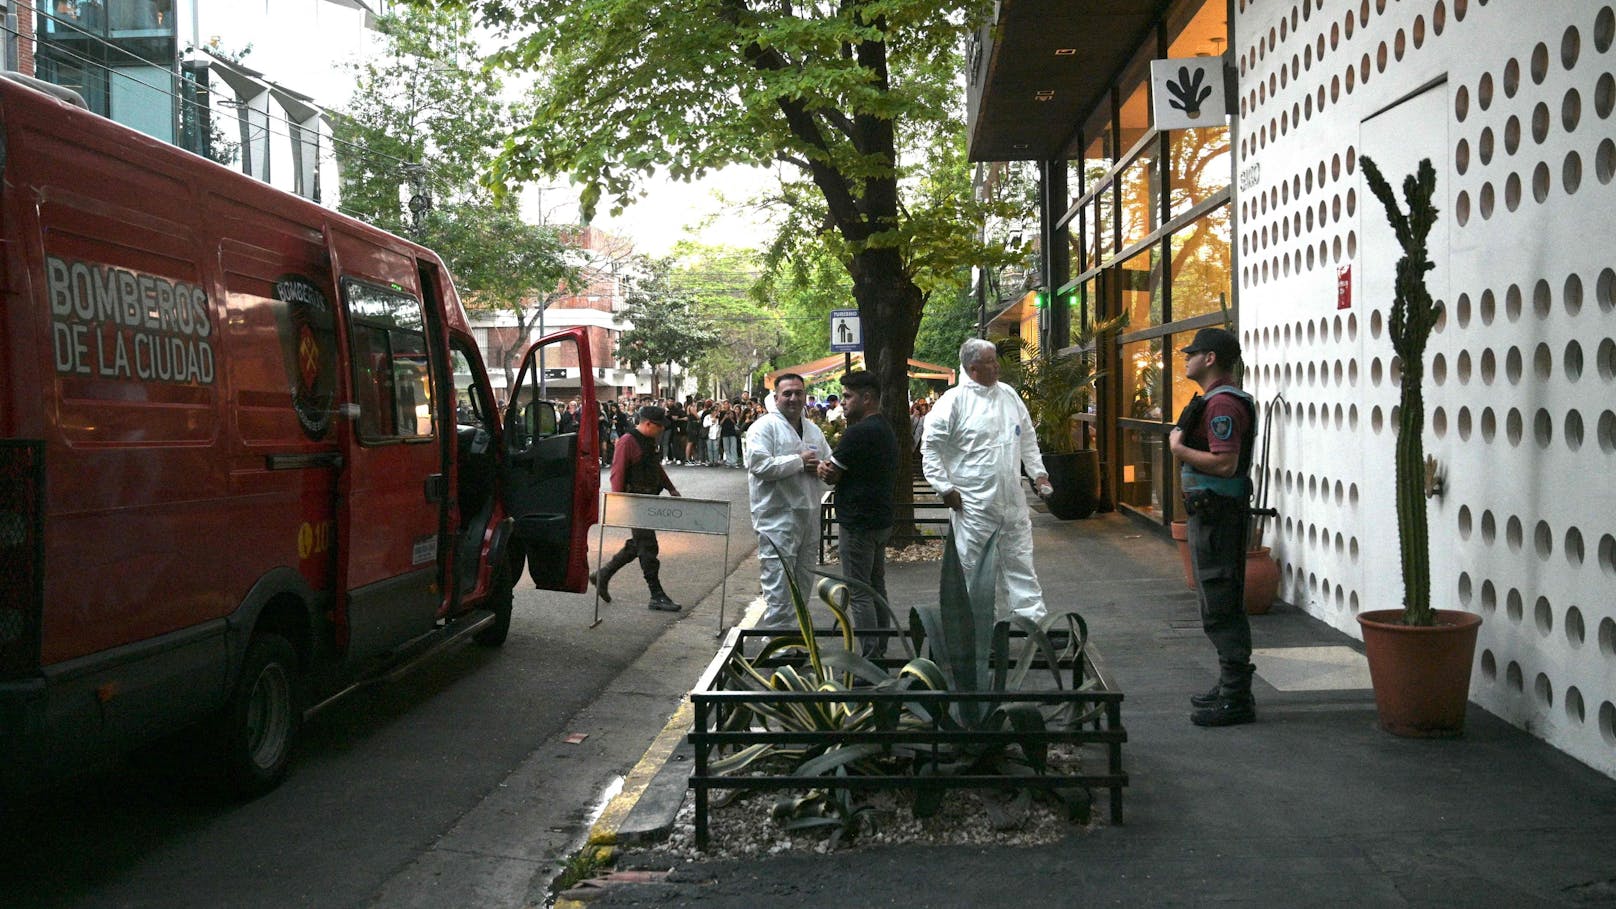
845, 334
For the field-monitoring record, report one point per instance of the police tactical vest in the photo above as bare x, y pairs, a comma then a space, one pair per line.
1239, 485
645, 475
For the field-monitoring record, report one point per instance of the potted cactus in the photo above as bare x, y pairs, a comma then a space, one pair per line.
1419, 657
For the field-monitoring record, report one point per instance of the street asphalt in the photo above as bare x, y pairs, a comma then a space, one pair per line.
1311, 806
453, 786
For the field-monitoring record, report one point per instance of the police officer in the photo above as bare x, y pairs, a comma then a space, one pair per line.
637, 467
1213, 443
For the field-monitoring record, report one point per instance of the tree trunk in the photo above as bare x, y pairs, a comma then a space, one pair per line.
889, 312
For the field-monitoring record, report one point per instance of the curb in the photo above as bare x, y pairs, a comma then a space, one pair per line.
611, 828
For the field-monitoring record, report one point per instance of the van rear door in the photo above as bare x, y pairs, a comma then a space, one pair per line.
552, 464
389, 513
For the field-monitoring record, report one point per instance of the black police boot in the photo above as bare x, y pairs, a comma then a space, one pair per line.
660, 600
1208, 699
603, 578
1228, 711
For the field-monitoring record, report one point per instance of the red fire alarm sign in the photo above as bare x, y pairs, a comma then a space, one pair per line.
1343, 287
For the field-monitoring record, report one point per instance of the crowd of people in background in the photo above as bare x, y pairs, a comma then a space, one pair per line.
708, 432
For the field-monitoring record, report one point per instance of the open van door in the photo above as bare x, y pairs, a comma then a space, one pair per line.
552, 460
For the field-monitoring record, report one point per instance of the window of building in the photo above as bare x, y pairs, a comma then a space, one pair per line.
1201, 265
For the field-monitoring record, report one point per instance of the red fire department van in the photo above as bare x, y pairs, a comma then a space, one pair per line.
249, 454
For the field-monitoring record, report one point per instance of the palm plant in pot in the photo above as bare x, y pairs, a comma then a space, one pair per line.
1057, 387
1419, 657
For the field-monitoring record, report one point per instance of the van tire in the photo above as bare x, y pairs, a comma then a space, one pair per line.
258, 728
501, 600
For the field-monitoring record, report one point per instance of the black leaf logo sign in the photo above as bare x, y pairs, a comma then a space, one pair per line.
1188, 92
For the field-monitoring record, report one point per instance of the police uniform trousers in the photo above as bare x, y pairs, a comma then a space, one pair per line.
1217, 538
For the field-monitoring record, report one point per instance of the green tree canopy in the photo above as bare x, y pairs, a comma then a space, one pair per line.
666, 328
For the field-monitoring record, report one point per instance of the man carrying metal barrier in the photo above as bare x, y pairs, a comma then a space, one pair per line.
637, 467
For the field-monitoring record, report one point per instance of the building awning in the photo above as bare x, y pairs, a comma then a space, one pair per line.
814, 370
1008, 320
1052, 63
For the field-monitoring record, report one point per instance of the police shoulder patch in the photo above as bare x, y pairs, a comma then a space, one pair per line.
1222, 427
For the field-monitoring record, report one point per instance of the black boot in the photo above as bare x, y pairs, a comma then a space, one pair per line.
660, 600
1228, 711
1211, 697
603, 578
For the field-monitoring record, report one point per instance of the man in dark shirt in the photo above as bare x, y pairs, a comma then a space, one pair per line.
637, 468
864, 467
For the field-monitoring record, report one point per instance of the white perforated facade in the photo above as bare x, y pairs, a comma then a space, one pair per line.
1512, 100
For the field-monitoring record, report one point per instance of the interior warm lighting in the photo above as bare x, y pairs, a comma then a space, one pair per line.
1065, 51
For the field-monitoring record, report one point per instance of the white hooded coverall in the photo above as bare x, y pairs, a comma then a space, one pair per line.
975, 441
785, 509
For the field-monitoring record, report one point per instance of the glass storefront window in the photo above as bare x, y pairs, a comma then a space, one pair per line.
1205, 33
1141, 198
1201, 265
1141, 380
1142, 458
1141, 278
1103, 231
1088, 294
1198, 166
1180, 389
1135, 111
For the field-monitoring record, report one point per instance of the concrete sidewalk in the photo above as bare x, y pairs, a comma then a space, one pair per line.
1312, 805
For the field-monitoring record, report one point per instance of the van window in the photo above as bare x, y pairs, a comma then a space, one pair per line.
392, 379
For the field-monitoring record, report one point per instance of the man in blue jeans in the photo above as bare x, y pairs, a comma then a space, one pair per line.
864, 467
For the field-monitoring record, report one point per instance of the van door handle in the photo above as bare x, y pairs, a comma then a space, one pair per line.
436, 488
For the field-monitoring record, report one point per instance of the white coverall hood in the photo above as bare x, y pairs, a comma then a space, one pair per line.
976, 440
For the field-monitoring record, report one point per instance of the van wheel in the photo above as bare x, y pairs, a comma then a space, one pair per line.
260, 724
501, 599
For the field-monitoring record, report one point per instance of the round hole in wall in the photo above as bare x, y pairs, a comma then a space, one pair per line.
1574, 630
1464, 423
1465, 528
1514, 677
1464, 310
1607, 637
1542, 361
1512, 364
1514, 533
1352, 79
1399, 46
1571, 293
1488, 308
1352, 319
1604, 29
1418, 32
1484, 91
1571, 360
1605, 161
1512, 192
1352, 244
1540, 181
1439, 369
1489, 665
1573, 430
1464, 367
1460, 7
1489, 366
1604, 95
1514, 427
1377, 420
1571, 110
1489, 526
1374, 332
1607, 432
1607, 555
1484, 145
1574, 708
1439, 422
1374, 372
1512, 134
1540, 122
1512, 77
1512, 303
1543, 691
1489, 597
1513, 606
1605, 290
1461, 208
1571, 172
1573, 547
1465, 592
1540, 63
1543, 429
1543, 540
1607, 722
1489, 424
1570, 47
1543, 616
1485, 200
1352, 201
1605, 359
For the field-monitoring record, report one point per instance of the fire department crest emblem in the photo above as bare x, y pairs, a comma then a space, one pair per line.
309, 338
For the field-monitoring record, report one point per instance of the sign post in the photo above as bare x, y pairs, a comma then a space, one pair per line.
674, 514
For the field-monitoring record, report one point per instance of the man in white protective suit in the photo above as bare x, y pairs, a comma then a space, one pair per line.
783, 451
977, 438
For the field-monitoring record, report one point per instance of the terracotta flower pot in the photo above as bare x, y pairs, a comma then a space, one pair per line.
1181, 536
1262, 581
1421, 675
